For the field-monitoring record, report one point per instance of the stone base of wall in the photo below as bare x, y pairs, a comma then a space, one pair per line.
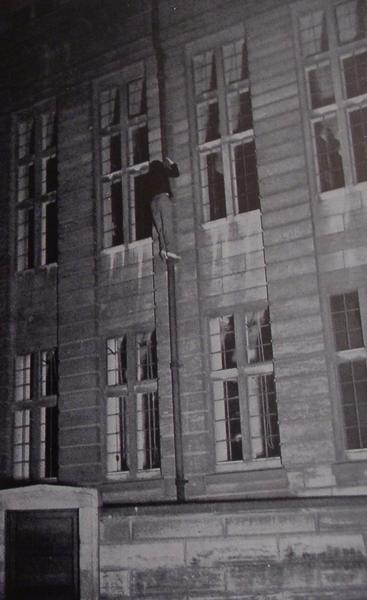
295, 549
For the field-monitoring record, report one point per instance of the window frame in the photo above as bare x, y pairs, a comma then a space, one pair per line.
243, 372
342, 106
35, 249
42, 460
226, 141
131, 390
128, 172
338, 357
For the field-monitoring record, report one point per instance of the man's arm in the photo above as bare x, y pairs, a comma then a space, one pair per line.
171, 167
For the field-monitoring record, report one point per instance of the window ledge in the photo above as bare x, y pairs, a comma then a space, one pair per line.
127, 476
357, 454
255, 465
249, 216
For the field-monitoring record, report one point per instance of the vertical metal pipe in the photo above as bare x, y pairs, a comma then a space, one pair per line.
171, 276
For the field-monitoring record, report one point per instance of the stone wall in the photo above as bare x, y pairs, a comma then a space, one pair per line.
279, 550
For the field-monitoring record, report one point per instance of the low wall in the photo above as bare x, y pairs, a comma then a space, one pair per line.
309, 549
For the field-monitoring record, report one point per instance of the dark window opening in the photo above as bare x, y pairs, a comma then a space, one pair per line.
329, 158
152, 457
117, 214
212, 125
51, 175
346, 319
143, 215
358, 124
115, 153
51, 233
51, 373
123, 434
270, 440
217, 199
31, 238
246, 177
353, 381
233, 421
31, 181
140, 144
51, 442
355, 72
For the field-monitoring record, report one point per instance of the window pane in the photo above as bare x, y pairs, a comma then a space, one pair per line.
24, 374
139, 147
353, 382
110, 108
330, 165
49, 442
117, 435
116, 352
49, 373
136, 92
358, 125
223, 344
351, 20
321, 86
235, 61
142, 211
21, 444
313, 31
146, 344
49, 131
240, 112
25, 239
228, 424
26, 138
263, 417
112, 214
205, 73
355, 74
149, 456
213, 186
208, 122
258, 337
246, 180
346, 319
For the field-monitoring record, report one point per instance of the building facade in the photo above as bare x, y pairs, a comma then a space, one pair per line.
197, 430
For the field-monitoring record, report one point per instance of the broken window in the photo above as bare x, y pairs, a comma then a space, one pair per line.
244, 395
132, 430
334, 47
224, 131
350, 354
37, 189
124, 161
35, 439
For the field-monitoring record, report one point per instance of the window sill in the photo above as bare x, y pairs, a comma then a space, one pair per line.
360, 454
38, 269
255, 465
248, 217
146, 243
127, 476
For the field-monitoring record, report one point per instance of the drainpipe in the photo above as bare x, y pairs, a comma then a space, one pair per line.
171, 275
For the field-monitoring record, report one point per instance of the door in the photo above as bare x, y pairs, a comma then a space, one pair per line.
42, 555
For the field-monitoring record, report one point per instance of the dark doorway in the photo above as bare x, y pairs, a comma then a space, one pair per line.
42, 555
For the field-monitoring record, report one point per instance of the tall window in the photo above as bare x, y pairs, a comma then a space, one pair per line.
35, 432
133, 436
243, 387
333, 41
225, 134
36, 151
124, 162
350, 352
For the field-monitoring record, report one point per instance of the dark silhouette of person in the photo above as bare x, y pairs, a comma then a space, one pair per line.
159, 194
